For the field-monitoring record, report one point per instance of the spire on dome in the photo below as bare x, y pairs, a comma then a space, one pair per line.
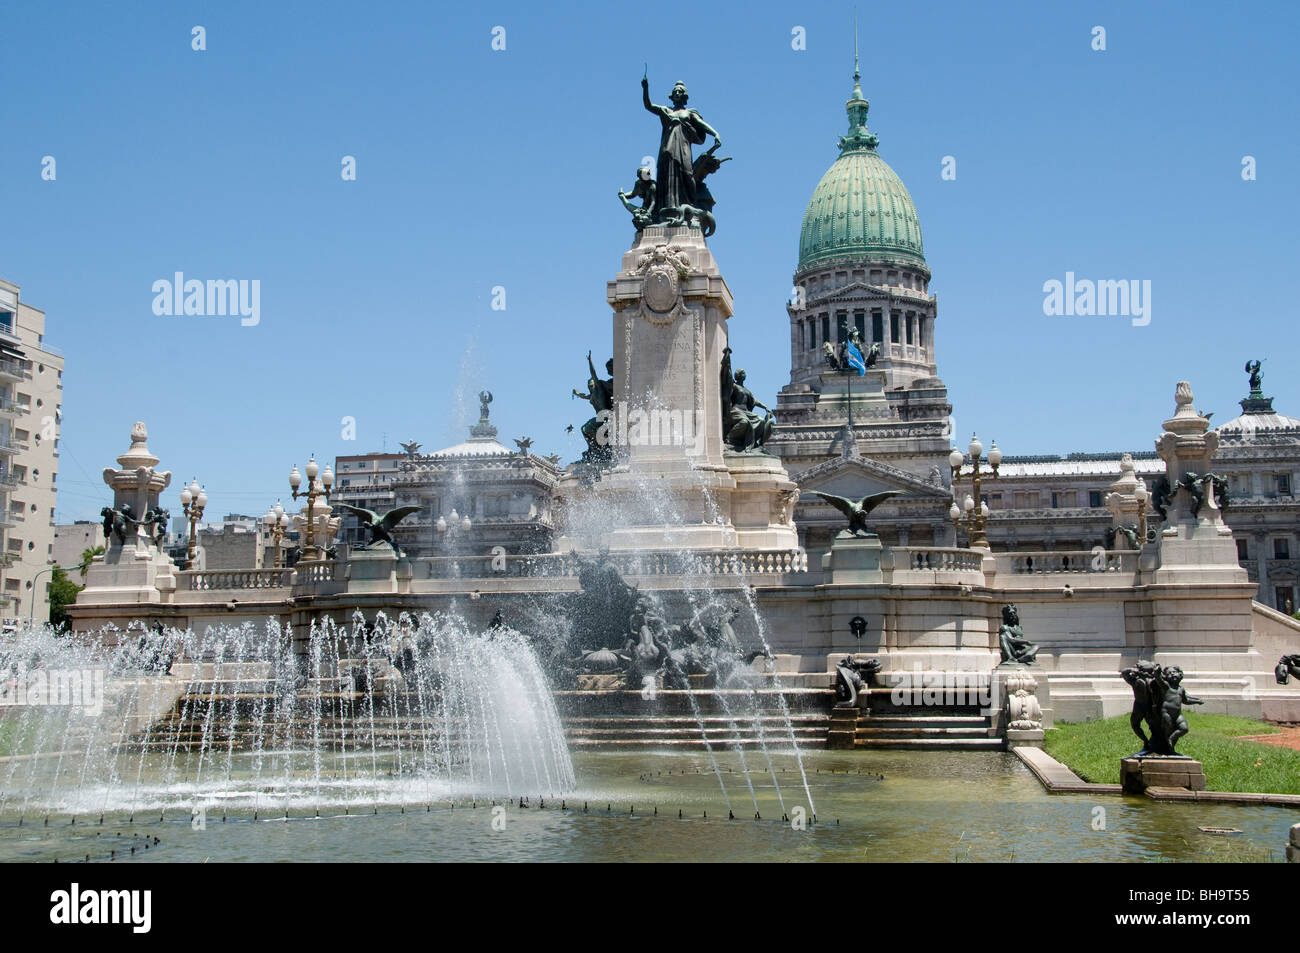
858, 138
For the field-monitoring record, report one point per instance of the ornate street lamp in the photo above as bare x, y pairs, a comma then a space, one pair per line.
193, 500
1141, 495
277, 521
973, 513
316, 488
450, 527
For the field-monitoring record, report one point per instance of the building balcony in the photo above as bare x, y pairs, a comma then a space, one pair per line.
11, 447
15, 370
12, 409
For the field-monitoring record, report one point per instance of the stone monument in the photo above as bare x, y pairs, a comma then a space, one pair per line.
668, 478
133, 568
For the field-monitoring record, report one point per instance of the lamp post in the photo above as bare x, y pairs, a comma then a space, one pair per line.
316, 488
277, 521
451, 526
973, 512
193, 500
1140, 494
31, 609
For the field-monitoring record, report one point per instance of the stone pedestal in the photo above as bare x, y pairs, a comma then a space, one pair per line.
1138, 773
372, 571
762, 505
1023, 696
853, 561
672, 487
1293, 848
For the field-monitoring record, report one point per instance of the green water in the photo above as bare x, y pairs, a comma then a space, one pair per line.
928, 806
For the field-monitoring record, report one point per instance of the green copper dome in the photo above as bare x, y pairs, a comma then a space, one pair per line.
860, 208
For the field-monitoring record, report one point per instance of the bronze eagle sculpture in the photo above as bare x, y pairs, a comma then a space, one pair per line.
857, 510
380, 526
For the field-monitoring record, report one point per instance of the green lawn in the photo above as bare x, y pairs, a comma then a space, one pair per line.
1092, 750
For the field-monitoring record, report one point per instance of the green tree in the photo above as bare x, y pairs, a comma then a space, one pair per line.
63, 592
86, 556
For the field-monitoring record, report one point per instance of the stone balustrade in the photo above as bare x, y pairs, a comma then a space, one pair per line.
209, 580
1068, 561
550, 565
936, 559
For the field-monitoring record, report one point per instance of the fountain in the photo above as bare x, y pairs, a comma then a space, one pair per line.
400, 711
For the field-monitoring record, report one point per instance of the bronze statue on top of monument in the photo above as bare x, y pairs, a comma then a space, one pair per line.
677, 195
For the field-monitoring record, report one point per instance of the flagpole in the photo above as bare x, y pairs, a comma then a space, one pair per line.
849, 377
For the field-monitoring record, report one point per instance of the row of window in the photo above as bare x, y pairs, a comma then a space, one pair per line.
1033, 499
1066, 499
1242, 483
1281, 548
903, 328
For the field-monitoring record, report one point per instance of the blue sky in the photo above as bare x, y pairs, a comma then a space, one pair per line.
478, 168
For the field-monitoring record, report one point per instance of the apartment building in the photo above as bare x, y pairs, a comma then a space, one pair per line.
31, 400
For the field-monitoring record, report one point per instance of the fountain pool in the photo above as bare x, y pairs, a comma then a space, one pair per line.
874, 806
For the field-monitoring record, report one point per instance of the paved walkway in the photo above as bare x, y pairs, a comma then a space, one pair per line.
1286, 738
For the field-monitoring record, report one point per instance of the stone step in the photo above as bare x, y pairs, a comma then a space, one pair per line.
954, 744
924, 721
815, 733
976, 732
633, 721
688, 744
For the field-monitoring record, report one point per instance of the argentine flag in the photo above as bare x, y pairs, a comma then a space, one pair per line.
855, 358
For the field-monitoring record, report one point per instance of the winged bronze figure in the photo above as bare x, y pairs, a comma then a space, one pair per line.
857, 510
380, 526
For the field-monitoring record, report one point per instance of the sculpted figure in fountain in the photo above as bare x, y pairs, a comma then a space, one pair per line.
852, 676
649, 646
743, 428
1015, 647
600, 394
118, 521
1288, 666
1158, 699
